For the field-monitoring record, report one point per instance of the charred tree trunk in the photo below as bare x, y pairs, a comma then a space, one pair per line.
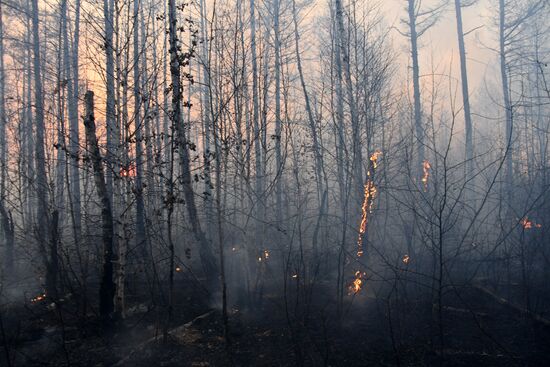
107, 285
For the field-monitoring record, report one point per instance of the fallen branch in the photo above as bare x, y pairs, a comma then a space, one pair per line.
174, 331
505, 302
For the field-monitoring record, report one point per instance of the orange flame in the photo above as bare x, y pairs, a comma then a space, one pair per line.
526, 223
128, 171
40, 297
357, 284
426, 166
370, 192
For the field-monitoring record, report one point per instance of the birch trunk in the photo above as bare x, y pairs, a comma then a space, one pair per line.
278, 122
419, 127
108, 13
141, 242
469, 153
40, 159
74, 134
6, 221
506, 99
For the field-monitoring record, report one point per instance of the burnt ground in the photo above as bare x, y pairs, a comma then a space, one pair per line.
478, 330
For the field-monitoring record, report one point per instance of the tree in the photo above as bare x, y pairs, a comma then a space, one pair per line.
468, 128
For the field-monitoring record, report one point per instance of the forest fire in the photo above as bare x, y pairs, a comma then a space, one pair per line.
357, 284
370, 192
127, 171
526, 223
39, 298
320, 183
426, 167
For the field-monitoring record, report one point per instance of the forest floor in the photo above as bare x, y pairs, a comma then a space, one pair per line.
478, 330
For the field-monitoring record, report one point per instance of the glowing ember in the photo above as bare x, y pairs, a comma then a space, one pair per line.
40, 297
370, 192
526, 223
178, 269
266, 254
426, 166
357, 284
406, 259
128, 171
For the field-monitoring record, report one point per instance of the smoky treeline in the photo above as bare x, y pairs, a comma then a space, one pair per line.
274, 182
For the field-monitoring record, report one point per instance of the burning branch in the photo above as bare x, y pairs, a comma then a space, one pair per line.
357, 284
368, 201
427, 167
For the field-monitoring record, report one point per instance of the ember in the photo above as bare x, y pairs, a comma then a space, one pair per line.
39, 298
526, 223
426, 166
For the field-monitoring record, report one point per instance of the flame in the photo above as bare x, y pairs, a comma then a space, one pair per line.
266, 254
38, 298
426, 166
406, 259
128, 171
370, 192
374, 159
178, 269
357, 284
526, 223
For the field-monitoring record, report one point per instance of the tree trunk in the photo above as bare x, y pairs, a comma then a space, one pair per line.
6, 221
419, 127
255, 113
357, 162
108, 13
278, 122
206, 110
74, 134
40, 163
507, 101
465, 93
107, 286
205, 250
141, 242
